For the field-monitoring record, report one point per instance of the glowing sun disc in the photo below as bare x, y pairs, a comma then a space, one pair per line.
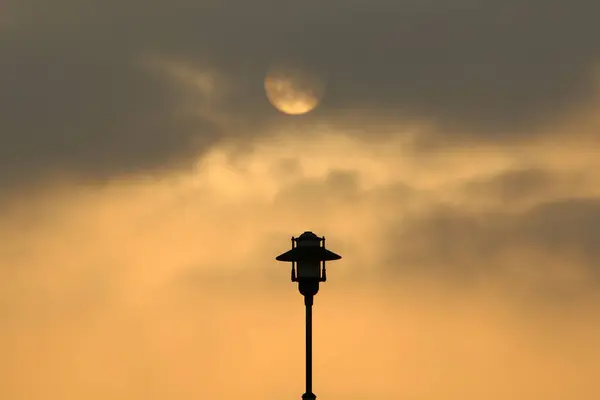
292, 90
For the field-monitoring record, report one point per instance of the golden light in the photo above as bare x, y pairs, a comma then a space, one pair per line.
293, 90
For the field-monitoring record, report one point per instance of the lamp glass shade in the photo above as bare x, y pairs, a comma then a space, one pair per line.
309, 269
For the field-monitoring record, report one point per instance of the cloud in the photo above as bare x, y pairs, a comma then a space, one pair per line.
86, 113
549, 249
72, 100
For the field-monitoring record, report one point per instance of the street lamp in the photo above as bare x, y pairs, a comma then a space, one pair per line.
308, 256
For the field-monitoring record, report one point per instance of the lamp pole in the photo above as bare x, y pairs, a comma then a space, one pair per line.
308, 395
308, 256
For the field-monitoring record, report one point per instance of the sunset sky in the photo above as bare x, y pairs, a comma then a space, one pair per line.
147, 184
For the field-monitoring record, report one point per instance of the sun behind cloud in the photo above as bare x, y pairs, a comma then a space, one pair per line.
293, 90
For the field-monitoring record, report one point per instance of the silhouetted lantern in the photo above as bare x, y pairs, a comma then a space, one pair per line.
308, 256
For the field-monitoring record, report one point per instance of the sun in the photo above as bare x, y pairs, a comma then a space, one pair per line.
293, 90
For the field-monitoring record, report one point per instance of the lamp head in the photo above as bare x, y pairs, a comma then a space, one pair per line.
308, 254
308, 247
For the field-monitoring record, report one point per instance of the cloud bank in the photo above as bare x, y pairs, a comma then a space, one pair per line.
74, 98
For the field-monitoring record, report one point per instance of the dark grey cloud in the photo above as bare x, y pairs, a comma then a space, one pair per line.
516, 188
491, 64
70, 98
69, 105
513, 185
460, 244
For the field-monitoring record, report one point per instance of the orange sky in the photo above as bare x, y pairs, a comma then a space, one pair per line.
166, 287
147, 185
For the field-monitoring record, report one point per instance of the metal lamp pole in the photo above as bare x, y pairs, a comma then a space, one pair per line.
308, 256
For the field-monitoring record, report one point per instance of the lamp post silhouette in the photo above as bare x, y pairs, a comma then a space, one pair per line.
308, 256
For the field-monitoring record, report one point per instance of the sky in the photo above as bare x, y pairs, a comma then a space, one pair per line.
146, 186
